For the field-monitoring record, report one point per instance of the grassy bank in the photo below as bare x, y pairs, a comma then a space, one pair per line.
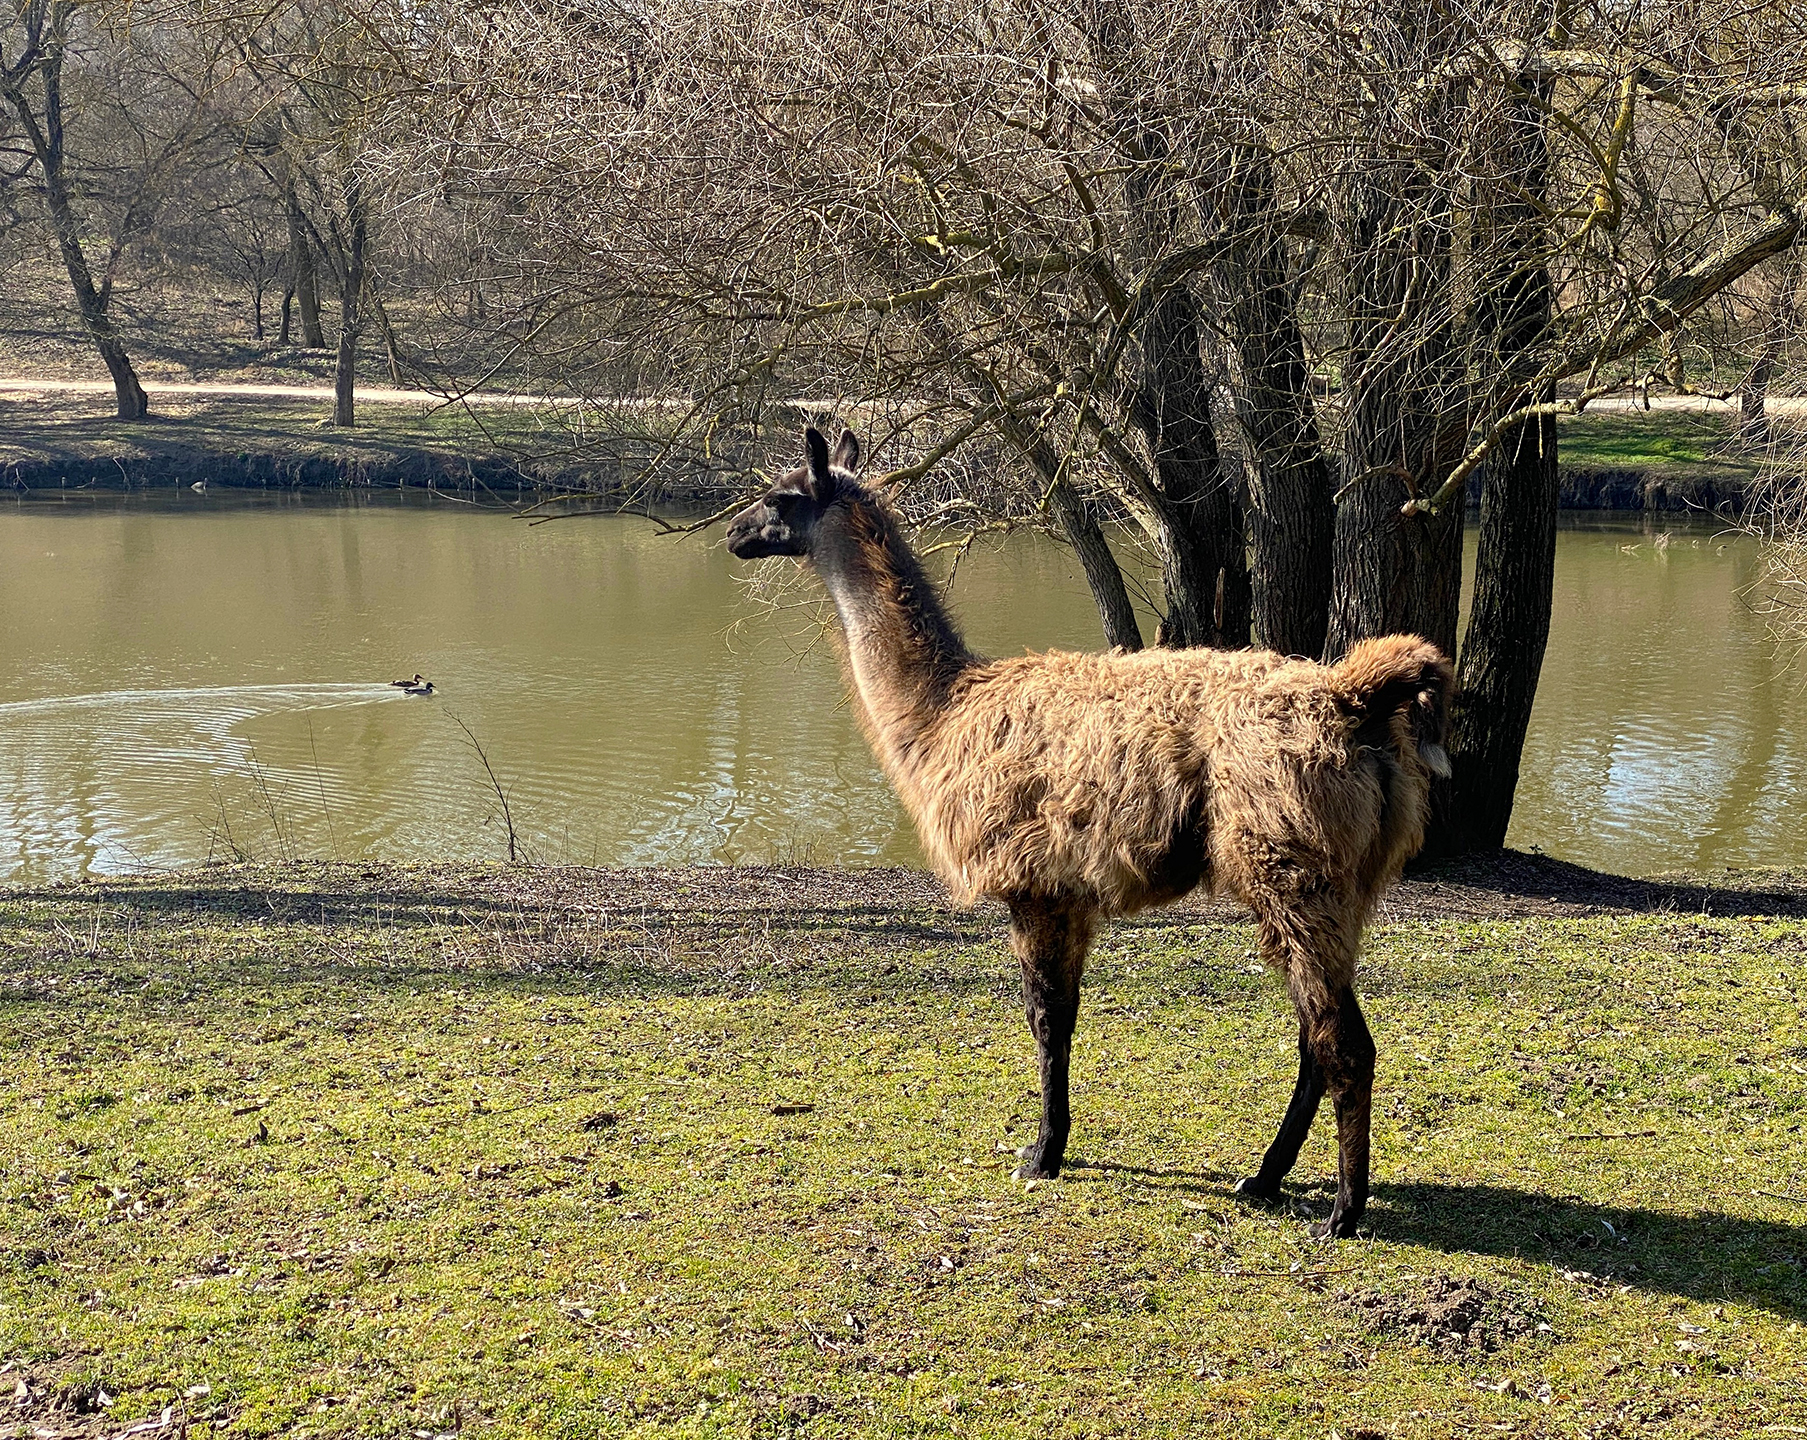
58, 440
1612, 459
352, 1151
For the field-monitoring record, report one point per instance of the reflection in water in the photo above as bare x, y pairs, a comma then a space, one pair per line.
196, 677
1666, 734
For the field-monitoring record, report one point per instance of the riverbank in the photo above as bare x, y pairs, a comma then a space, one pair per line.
62, 440
356, 1150
1620, 460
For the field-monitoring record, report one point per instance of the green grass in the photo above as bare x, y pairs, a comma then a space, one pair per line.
84, 426
341, 1152
1662, 439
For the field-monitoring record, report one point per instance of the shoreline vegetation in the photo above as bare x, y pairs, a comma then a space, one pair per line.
354, 1149
1663, 461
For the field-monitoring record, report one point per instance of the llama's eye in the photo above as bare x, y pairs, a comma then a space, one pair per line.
783, 501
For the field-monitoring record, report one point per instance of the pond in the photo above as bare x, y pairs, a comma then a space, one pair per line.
204, 676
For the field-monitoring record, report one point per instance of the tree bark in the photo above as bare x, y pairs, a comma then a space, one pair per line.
1204, 557
303, 273
1292, 515
1515, 558
1102, 573
351, 290
1199, 528
1406, 422
1778, 323
1503, 648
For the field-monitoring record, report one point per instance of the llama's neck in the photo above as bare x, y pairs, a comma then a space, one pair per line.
903, 651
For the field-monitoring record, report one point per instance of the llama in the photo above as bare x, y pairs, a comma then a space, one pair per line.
1077, 787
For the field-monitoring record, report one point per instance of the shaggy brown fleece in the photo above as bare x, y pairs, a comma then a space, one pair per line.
1076, 787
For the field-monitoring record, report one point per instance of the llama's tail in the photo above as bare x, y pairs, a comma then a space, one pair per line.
1379, 679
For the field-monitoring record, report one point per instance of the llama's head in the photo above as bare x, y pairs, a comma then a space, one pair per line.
783, 520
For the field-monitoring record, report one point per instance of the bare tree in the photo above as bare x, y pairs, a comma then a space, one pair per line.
31, 82
1274, 290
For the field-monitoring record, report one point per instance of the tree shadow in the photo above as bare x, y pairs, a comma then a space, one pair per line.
1544, 885
1709, 1256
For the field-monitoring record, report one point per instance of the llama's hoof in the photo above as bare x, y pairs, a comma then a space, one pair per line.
1033, 1167
1340, 1226
1251, 1189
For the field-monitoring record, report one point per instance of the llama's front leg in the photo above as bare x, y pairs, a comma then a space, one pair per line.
1050, 942
1344, 1052
1308, 1091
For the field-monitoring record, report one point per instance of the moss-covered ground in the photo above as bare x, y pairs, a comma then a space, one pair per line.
350, 1151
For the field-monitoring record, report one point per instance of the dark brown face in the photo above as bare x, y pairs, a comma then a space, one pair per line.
779, 523
782, 522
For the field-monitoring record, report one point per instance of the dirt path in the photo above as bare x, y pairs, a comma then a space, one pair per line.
367, 394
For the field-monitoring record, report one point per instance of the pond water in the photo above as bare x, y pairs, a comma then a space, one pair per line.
205, 676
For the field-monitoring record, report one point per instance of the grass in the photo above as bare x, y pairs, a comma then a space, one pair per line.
1660, 440
346, 1151
57, 425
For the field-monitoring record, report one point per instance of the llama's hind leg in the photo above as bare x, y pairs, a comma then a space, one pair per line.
1344, 1052
1050, 940
1308, 1091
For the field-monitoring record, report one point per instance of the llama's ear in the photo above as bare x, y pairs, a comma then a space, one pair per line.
821, 483
847, 451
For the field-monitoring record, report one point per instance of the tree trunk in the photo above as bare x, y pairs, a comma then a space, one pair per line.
1204, 557
351, 290
288, 305
1778, 323
1291, 513
46, 136
1508, 627
1515, 558
1196, 517
1406, 423
303, 274
345, 368
1102, 572
1753, 394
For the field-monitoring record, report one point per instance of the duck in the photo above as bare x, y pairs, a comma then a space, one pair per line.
425, 688
418, 679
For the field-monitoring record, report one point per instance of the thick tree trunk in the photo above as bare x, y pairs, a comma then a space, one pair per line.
1780, 320
1508, 627
345, 368
1291, 512
303, 274
1196, 519
1406, 424
1515, 557
1204, 557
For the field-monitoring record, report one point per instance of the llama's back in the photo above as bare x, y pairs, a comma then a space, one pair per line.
1127, 780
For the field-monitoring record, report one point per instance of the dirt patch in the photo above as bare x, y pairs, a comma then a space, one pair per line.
48, 1406
909, 906
1449, 1315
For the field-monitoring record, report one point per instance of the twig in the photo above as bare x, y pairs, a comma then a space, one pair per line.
495, 784
1778, 1195
1614, 1135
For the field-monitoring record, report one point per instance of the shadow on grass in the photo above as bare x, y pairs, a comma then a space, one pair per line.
1708, 1256
1552, 886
